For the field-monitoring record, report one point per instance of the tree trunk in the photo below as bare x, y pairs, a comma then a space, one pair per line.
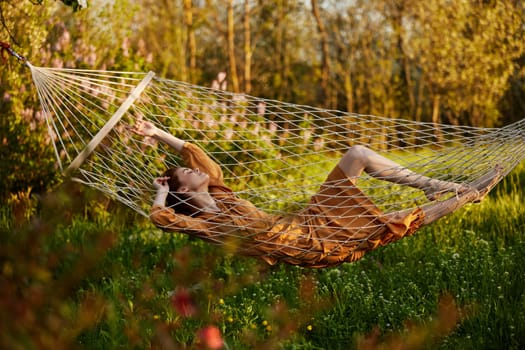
191, 45
325, 55
397, 23
231, 48
349, 91
279, 77
247, 49
435, 118
342, 65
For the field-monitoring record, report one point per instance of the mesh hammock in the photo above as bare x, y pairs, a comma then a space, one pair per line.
273, 154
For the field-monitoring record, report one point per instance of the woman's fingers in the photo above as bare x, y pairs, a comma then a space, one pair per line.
161, 181
137, 128
142, 127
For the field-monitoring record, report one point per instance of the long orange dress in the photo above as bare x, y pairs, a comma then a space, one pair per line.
340, 224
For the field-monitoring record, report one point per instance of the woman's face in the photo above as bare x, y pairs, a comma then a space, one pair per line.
192, 180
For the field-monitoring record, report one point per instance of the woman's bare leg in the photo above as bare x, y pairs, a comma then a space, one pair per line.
359, 158
477, 191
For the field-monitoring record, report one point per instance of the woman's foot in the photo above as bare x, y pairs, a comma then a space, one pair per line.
437, 188
482, 186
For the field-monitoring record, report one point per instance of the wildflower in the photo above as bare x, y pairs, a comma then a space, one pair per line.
228, 134
230, 319
318, 144
261, 108
309, 328
221, 301
264, 323
181, 301
273, 127
211, 337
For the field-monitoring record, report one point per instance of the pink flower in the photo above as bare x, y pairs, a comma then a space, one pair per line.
181, 301
261, 108
210, 336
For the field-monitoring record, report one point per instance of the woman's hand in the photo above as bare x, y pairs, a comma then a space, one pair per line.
148, 129
144, 128
161, 184
162, 187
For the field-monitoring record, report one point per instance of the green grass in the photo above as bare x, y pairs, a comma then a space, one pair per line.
86, 279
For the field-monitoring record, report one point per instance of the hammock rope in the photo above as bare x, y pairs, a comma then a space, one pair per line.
273, 154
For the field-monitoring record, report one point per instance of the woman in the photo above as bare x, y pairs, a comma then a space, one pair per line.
340, 224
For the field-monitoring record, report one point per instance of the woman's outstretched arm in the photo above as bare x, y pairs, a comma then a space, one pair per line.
192, 155
146, 128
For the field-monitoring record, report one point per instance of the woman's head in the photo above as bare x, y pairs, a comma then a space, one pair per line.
184, 183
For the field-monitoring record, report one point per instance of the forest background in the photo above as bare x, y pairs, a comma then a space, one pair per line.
458, 62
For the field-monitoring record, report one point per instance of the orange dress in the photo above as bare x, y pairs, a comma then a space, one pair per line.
340, 223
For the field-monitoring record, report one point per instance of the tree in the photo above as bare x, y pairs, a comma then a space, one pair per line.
325, 93
76, 5
466, 52
230, 31
191, 45
284, 53
164, 32
27, 157
22, 129
247, 48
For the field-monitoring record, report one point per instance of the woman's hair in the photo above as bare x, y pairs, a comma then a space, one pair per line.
178, 201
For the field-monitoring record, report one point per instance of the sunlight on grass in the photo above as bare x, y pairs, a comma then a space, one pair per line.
85, 279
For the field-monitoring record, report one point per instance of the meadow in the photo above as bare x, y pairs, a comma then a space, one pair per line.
80, 271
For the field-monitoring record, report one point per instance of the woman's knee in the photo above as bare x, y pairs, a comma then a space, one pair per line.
356, 152
353, 161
